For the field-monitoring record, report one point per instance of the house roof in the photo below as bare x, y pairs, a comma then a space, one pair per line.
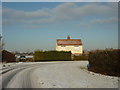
69, 41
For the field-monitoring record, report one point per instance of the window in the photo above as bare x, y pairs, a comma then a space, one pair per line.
63, 47
76, 48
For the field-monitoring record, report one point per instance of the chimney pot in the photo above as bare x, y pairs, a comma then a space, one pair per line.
68, 37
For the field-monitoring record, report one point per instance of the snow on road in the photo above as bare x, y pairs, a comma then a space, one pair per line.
71, 75
20, 75
63, 74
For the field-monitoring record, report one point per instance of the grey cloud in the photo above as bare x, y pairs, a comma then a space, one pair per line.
63, 12
10, 13
71, 11
103, 21
32, 26
86, 26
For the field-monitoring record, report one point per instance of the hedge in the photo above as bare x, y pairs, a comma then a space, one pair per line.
81, 57
105, 61
51, 55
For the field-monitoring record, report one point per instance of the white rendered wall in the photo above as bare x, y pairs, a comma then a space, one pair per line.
72, 48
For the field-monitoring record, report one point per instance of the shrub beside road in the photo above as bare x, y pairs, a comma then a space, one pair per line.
105, 61
52, 56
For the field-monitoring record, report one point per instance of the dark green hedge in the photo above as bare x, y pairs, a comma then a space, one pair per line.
51, 55
105, 62
81, 57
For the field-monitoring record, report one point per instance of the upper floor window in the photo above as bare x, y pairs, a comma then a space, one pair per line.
76, 45
63, 46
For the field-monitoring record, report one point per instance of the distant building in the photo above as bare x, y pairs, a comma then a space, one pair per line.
73, 45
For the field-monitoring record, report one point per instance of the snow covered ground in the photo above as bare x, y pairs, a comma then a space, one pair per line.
0, 65
61, 74
71, 75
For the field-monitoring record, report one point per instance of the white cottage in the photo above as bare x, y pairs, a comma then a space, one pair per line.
73, 45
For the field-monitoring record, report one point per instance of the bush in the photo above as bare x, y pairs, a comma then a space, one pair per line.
105, 62
8, 56
52, 55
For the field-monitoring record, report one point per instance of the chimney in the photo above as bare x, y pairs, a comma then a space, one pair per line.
68, 37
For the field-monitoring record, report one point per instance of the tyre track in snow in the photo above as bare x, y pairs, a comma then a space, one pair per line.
6, 78
21, 77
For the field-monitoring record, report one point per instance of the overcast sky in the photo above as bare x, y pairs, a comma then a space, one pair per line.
37, 25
